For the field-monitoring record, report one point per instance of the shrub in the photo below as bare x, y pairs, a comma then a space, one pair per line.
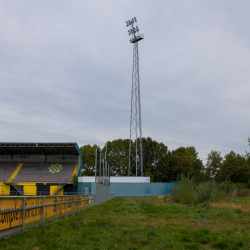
188, 192
240, 192
207, 191
184, 191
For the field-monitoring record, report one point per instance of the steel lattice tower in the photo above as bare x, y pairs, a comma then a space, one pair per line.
135, 145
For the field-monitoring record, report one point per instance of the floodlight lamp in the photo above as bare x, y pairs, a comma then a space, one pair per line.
135, 19
127, 24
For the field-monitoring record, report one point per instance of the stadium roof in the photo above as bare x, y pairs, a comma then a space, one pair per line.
39, 148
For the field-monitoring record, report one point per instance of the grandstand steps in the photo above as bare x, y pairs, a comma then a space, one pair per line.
13, 176
18, 188
59, 187
75, 172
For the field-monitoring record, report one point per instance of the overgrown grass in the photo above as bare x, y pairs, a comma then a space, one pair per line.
142, 223
189, 192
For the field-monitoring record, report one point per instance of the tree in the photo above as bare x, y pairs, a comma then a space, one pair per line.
182, 161
248, 141
236, 166
191, 150
88, 159
153, 152
117, 156
214, 161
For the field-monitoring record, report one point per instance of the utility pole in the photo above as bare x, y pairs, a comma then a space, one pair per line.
135, 144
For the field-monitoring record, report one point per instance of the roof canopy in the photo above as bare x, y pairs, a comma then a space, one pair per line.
39, 148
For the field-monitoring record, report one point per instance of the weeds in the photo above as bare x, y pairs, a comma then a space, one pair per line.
189, 192
143, 223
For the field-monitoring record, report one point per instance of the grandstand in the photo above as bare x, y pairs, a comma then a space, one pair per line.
38, 168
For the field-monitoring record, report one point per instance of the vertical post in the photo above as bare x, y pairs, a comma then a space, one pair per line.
66, 206
103, 171
84, 202
100, 170
95, 162
74, 206
56, 206
24, 206
43, 209
109, 174
80, 202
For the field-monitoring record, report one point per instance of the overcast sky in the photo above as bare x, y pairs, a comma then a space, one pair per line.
66, 66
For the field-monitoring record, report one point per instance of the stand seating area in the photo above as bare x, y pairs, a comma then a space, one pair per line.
6, 170
45, 172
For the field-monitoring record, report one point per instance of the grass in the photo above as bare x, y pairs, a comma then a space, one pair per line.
143, 223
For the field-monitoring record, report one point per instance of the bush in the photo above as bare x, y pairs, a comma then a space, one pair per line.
208, 191
240, 192
188, 192
203, 191
184, 191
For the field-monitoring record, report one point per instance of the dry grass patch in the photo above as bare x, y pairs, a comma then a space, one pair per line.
243, 205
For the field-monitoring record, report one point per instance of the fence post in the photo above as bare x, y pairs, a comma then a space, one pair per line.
74, 206
66, 206
24, 206
80, 202
56, 206
43, 208
84, 202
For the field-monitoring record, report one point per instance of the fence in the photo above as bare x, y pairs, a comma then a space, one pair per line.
18, 214
102, 193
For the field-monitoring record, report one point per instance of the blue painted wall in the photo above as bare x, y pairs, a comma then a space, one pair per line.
131, 189
140, 189
81, 187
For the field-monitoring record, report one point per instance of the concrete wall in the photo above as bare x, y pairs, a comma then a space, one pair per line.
117, 179
140, 189
131, 189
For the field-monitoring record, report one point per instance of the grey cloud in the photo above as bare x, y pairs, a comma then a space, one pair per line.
65, 72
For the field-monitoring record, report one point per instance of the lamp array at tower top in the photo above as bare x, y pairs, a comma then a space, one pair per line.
133, 30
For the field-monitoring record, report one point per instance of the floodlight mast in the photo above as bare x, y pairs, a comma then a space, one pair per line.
135, 144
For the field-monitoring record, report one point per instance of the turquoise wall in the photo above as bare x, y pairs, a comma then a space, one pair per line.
131, 189
141, 189
81, 187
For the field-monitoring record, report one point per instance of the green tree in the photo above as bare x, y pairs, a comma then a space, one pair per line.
153, 152
236, 166
214, 162
191, 150
185, 161
88, 159
117, 156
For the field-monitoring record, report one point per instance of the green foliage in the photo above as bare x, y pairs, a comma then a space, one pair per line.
184, 191
235, 167
214, 162
75, 180
189, 192
208, 191
88, 159
118, 156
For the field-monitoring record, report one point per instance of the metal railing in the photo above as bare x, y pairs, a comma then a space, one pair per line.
30, 215
62, 206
